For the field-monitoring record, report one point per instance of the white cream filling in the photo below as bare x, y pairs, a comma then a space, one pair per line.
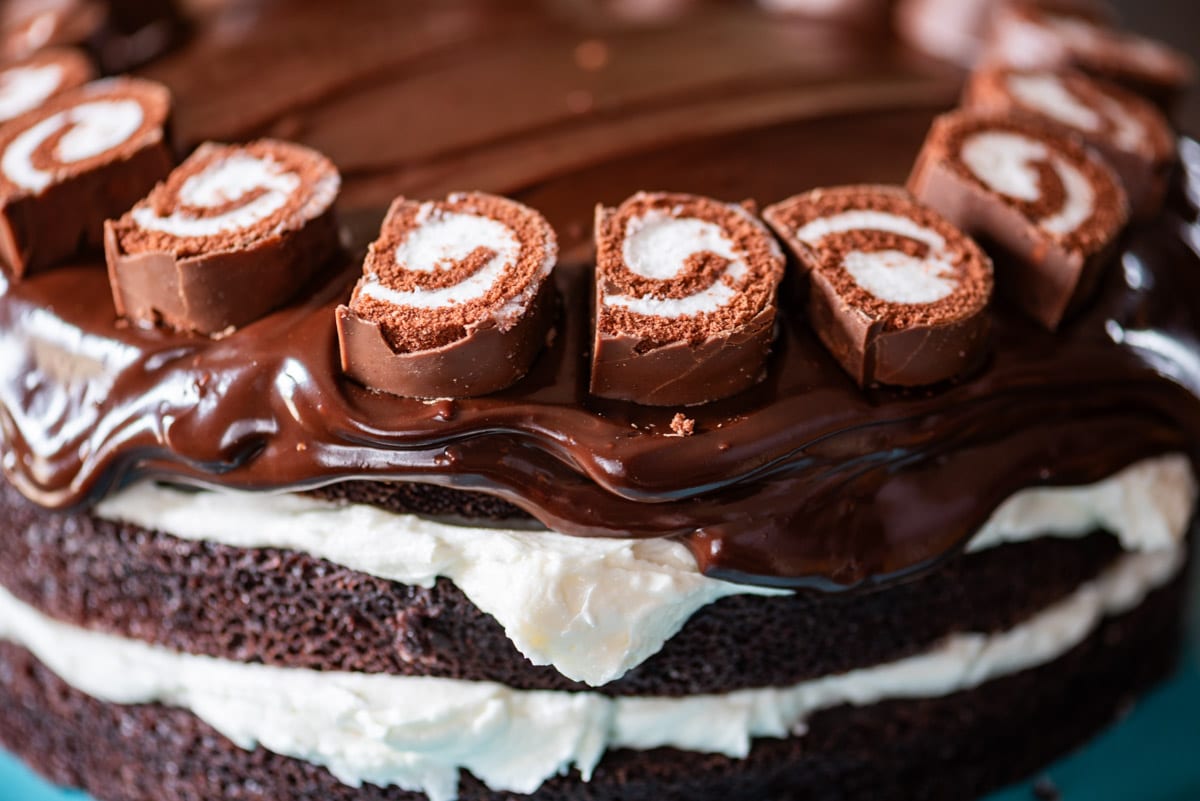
658, 244
594, 608
443, 238
1129, 132
417, 732
1005, 163
1045, 92
890, 275
1147, 506
591, 607
94, 127
221, 182
25, 88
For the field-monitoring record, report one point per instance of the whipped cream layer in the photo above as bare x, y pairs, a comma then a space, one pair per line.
417, 733
595, 608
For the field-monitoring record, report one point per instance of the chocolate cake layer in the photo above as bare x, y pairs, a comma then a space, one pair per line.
423, 499
941, 749
289, 609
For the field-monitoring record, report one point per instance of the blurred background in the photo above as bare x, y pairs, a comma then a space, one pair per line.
1176, 22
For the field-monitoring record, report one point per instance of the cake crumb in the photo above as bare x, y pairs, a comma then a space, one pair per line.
683, 426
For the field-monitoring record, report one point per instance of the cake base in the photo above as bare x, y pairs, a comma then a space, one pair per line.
954, 747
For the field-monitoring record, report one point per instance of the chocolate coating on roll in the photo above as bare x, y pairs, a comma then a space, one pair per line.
897, 293
1052, 205
232, 234
79, 159
1130, 132
454, 300
26, 85
1032, 38
685, 299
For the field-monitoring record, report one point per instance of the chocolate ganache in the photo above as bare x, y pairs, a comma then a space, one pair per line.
802, 480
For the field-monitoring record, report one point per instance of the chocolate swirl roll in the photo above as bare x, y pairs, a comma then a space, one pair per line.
1130, 132
1053, 205
1032, 38
119, 34
26, 85
897, 293
455, 299
234, 232
79, 159
685, 299
956, 30
27, 26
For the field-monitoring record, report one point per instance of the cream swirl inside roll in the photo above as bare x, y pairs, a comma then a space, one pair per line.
1049, 94
26, 85
662, 248
258, 188
442, 241
1020, 167
80, 130
890, 274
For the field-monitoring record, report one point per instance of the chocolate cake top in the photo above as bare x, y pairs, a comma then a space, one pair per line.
803, 478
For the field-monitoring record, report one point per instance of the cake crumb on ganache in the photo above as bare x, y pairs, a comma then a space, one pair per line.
682, 425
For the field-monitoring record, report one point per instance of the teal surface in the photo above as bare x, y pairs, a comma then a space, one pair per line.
1153, 755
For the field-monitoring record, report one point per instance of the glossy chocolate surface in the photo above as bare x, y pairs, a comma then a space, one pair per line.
802, 480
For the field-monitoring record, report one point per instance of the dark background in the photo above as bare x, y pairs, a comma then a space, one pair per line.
1176, 22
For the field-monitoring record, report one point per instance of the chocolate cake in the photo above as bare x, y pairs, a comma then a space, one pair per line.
589, 399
